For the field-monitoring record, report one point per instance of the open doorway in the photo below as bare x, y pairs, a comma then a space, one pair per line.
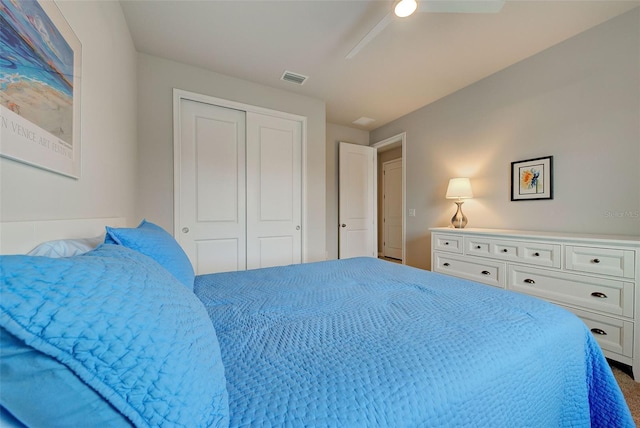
391, 193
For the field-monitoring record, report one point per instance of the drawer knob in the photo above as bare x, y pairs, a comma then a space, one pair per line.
595, 261
505, 251
598, 331
536, 254
446, 264
486, 272
478, 247
599, 295
446, 243
529, 281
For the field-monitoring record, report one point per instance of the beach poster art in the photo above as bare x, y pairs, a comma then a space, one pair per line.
40, 69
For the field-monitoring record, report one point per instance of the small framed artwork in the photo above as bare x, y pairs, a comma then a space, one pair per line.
40, 72
532, 179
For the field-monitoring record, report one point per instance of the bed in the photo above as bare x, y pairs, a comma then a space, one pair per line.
125, 334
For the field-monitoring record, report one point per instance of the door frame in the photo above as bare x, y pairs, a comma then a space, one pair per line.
388, 143
178, 96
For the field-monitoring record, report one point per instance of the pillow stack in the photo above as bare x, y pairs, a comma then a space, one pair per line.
109, 338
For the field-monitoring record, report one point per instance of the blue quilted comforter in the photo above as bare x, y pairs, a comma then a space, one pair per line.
363, 342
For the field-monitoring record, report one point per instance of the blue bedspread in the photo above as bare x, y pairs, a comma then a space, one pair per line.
363, 342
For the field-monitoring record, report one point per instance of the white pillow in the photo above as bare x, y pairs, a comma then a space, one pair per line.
66, 247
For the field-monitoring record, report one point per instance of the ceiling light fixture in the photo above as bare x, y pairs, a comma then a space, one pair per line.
405, 8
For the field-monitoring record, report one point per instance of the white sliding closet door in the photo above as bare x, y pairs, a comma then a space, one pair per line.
274, 190
238, 187
210, 197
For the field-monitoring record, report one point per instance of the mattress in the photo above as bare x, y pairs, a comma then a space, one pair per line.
364, 342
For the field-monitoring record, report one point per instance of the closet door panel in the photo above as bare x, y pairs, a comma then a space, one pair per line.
212, 207
274, 171
227, 257
217, 148
277, 251
275, 174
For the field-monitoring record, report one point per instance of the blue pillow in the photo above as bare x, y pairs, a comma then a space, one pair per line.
155, 242
124, 327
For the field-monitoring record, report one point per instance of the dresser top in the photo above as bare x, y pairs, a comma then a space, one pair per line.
632, 240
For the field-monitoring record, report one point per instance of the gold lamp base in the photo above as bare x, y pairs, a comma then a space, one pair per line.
459, 220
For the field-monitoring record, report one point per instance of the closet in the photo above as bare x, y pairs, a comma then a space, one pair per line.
238, 186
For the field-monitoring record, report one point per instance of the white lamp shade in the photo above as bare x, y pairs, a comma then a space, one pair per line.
405, 8
459, 188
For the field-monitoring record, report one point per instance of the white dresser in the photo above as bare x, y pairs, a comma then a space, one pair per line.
594, 276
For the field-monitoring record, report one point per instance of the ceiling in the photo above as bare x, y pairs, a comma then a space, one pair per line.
411, 63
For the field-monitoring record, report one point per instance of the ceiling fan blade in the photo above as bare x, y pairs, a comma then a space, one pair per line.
370, 35
433, 6
460, 6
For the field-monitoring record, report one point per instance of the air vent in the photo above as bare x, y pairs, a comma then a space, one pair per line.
363, 121
296, 78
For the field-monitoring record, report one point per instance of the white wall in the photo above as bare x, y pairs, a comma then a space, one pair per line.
108, 135
578, 101
336, 134
156, 79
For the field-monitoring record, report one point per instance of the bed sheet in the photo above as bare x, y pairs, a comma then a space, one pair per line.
364, 342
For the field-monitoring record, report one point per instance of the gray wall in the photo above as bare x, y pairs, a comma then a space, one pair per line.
156, 79
106, 187
578, 101
336, 134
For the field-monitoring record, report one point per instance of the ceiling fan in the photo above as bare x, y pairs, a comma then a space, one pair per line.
404, 8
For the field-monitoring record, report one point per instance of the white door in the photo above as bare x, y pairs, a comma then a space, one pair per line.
274, 191
210, 187
392, 209
357, 202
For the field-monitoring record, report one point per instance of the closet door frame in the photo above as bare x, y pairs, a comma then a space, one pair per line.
178, 96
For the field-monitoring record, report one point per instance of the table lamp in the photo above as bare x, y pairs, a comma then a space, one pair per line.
459, 188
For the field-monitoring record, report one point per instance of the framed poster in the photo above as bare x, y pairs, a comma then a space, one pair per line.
40, 73
532, 179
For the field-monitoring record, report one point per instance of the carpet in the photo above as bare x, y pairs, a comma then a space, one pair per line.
630, 388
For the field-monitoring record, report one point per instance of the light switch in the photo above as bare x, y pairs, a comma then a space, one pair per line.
412, 212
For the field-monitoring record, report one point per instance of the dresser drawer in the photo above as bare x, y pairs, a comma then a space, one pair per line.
486, 271
595, 277
534, 253
612, 334
601, 260
445, 242
604, 295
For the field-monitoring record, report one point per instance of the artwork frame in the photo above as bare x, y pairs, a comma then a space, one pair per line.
40, 87
532, 179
